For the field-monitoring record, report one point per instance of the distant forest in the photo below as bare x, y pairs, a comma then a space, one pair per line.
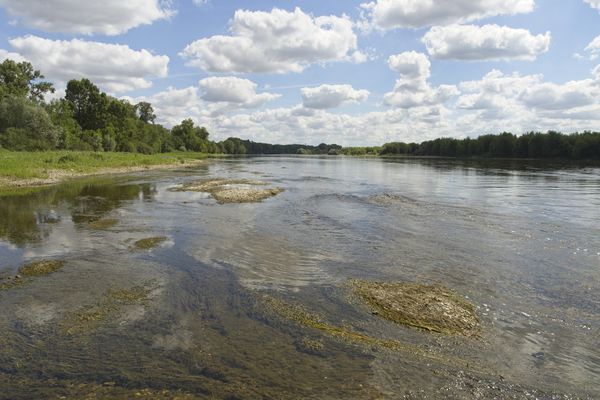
87, 119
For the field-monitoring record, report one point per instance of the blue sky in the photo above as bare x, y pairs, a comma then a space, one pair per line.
349, 72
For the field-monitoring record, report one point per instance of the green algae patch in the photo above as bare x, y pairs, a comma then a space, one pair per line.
149, 243
227, 191
29, 271
429, 307
87, 318
11, 283
41, 268
102, 224
305, 318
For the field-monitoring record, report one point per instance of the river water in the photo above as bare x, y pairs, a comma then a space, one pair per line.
520, 240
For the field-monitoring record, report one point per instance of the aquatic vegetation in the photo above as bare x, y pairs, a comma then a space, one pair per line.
149, 243
230, 190
429, 307
31, 270
41, 268
87, 318
103, 223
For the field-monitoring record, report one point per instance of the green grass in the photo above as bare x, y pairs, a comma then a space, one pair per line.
26, 165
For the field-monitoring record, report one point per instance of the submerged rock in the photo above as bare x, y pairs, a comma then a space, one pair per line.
226, 191
429, 307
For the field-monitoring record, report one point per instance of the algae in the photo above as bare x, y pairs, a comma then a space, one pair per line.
303, 317
29, 271
226, 191
41, 268
149, 243
102, 224
429, 307
86, 318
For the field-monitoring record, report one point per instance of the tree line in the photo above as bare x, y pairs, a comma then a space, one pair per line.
87, 119
84, 119
577, 146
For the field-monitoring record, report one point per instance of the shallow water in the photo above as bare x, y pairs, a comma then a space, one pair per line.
520, 240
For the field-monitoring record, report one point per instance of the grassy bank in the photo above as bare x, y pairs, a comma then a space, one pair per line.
26, 169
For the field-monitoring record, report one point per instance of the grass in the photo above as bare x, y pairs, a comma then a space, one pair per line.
27, 165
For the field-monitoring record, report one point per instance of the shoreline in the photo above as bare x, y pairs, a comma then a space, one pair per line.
38, 175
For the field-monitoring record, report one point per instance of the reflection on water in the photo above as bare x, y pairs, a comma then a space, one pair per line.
520, 240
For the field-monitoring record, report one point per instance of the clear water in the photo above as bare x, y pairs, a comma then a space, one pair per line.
520, 240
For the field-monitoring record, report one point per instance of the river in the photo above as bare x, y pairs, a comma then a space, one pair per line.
520, 240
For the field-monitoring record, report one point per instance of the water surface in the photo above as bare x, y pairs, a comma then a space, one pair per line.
520, 240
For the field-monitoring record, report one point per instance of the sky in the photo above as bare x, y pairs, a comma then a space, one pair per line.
354, 73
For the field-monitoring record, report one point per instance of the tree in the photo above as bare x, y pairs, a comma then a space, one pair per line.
89, 105
22, 80
145, 112
25, 126
187, 136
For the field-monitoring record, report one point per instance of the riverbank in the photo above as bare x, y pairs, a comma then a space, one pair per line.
20, 170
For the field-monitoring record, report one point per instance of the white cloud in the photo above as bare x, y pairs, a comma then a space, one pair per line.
488, 42
497, 102
108, 17
412, 89
529, 103
551, 96
6, 55
115, 68
174, 105
278, 41
593, 3
389, 14
331, 96
594, 48
234, 90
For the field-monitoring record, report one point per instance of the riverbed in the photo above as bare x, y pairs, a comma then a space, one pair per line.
254, 300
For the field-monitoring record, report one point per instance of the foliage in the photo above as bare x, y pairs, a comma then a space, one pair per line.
25, 126
22, 80
552, 144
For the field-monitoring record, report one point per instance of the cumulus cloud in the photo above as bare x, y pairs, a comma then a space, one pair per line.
235, 91
331, 96
7, 55
593, 3
488, 42
496, 102
108, 17
594, 48
528, 101
277, 41
412, 89
115, 68
389, 14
